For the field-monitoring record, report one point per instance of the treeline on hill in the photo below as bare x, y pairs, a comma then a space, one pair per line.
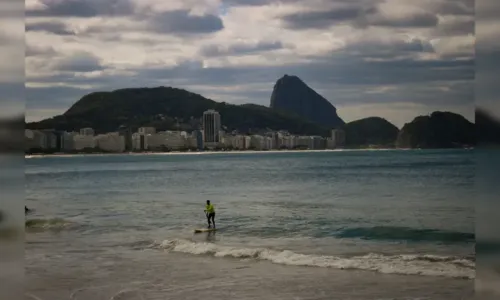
168, 108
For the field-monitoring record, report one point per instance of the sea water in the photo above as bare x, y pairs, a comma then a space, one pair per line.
387, 224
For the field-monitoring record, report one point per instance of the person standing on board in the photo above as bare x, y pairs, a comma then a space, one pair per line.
210, 213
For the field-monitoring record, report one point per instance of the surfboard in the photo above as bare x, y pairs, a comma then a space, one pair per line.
204, 230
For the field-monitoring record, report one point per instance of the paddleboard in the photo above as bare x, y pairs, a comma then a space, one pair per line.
204, 230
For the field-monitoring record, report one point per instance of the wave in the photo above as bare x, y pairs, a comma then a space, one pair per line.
406, 233
424, 265
46, 224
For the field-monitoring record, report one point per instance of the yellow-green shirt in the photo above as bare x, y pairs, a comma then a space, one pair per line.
210, 208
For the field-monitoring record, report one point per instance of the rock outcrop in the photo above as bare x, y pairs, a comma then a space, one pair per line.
291, 94
371, 131
439, 130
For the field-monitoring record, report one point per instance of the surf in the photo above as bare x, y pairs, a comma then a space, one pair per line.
411, 264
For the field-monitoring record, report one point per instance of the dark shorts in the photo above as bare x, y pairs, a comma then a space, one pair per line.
211, 215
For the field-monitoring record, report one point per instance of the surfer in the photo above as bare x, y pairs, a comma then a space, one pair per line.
210, 213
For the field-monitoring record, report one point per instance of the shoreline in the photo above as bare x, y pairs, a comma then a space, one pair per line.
224, 152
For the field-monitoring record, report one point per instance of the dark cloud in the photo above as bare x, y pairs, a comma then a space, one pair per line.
421, 19
79, 62
239, 49
459, 27
455, 7
343, 78
82, 8
254, 2
58, 28
322, 19
361, 15
182, 22
388, 50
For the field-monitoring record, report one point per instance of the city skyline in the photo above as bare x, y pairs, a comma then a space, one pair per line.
393, 59
209, 136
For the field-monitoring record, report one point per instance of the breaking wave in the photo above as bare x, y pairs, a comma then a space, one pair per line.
425, 265
48, 224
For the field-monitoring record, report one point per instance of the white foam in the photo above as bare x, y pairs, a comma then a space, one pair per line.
425, 265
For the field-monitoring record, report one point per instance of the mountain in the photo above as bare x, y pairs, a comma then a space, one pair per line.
168, 108
488, 128
291, 94
370, 131
439, 130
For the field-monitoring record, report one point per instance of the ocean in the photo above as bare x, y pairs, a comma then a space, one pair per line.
384, 224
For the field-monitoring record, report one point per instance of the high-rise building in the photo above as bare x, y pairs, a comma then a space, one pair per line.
338, 138
211, 128
126, 132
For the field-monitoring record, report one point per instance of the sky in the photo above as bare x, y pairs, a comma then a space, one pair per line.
395, 59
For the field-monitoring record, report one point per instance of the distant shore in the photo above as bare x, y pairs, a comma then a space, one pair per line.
217, 152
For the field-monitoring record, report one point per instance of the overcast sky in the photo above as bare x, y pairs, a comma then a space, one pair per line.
391, 58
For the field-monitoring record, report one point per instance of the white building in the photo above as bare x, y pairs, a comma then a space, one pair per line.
330, 144
257, 142
174, 140
87, 131
243, 142
146, 130
338, 138
110, 142
288, 141
155, 141
269, 143
113, 142
35, 139
67, 141
211, 128
81, 142
305, 142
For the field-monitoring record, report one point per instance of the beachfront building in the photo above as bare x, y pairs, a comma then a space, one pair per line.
211, 128
138, 142
110, 142
35, 139
175, 140
146, 130
318, 142
67, 140
87, 131
83, 141
172, 140
338, 138
257, 142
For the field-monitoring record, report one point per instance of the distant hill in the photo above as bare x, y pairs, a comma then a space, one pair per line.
291, 94
168, 108
488, 129
371, 131
439, 130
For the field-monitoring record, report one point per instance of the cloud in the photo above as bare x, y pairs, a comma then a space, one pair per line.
322, 19
32, 50
239, 48
58, 28
456, 27
182, 22
81, 8
78, 62
361, 14
409, 56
